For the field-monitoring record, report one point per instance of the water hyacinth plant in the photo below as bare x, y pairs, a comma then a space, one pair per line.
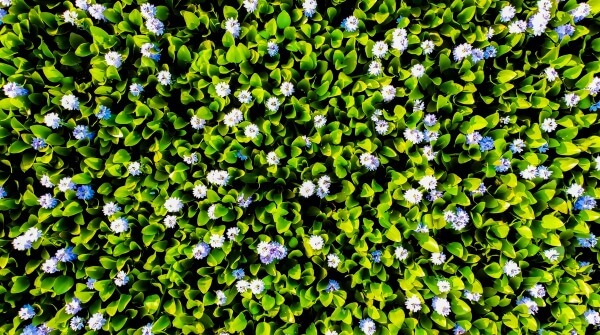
307, 167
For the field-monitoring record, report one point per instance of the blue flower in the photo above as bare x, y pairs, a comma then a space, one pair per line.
80, 132
486, 144
503, 166
588, 242
238, 273
240, 155
376, 256
543, 148
489, 52
2, 192
103, 113
585, 202
38, 143
564, 30
85, 192
332, 286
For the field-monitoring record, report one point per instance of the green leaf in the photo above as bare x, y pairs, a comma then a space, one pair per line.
551, 222
283, 20
63, 284
121, 156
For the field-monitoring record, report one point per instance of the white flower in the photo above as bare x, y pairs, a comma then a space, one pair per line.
221, 298
197, 123
369, 161
66, 184
413, 196
121, 279
316, 242
110, 208
320, 121
367, 326
222, 89
233, 118
428, 182
119, 225
351, 23
52, 120
427, 47
272, 158
417, 70
552, 254
232, 233
413, 304
155, 26
438, 258
50, 265
418, 106
200, 191
400, 253
399, 39
507, 13
97, 11
211, 212
379, 49
571, 99
333, 260
594, 86
538, 291
73, 307
551, 74
26, 312
45, 181
96, 322
388, 92
529, 173
307, 189
375, 68
287, 88
170, 221
511, 268
218, 177
443, 286
273, 104
245, 97
216, 241
549, 125
77, 323
462, 51
148, 11
233, 26
173, 204
164, 78
242, 286
257, 286
310, 7
70, 16
70, 102
134, 168
381, 127
517, 27
82, 4
413, 135
250, 5
251, 131
113, 58
441, 306
575, 190
592, 317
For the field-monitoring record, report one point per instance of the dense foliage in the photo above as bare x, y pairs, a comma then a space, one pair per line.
299, 167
